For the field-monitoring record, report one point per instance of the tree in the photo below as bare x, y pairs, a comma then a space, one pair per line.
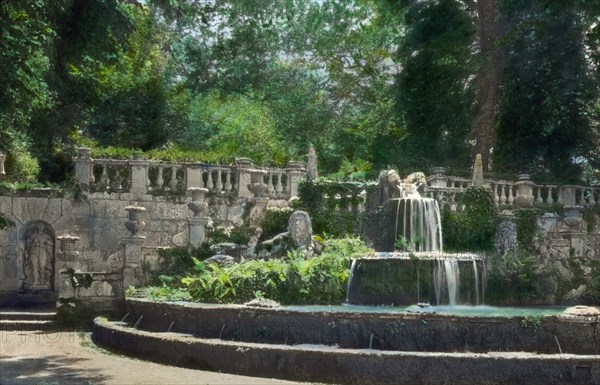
434, 88
25, 33
547, 88
489, 78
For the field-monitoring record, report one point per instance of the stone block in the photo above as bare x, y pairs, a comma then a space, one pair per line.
53, 210
36, 207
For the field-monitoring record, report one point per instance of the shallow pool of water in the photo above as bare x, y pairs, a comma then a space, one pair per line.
469, 311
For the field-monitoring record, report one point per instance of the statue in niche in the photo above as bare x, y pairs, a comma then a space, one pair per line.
37, 262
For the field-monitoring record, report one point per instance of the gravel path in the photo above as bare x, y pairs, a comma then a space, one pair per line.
60, 358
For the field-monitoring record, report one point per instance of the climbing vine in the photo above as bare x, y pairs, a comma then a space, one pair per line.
527, 227
474, 228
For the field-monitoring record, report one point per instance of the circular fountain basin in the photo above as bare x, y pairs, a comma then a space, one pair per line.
350, 344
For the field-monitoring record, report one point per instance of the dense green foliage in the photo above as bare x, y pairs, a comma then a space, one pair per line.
332, 205
474, 227
517, 279
370, 83
291, 280
433, 85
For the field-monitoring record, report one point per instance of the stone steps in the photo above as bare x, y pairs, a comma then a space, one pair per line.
27, 318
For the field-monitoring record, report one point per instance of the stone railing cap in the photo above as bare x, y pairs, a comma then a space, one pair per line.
135, 208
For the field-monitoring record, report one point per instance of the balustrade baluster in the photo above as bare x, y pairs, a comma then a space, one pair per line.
279, 186
104, 177
228, 180
117, 182
159, 178
511, 198
559, 199
500, 194
173, 181
209, 181
538, 195
270, 187
236, 181
549, 199
219, 184
92, 177
592, 200
496, 196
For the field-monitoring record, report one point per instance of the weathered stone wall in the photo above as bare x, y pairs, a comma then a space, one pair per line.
95, 227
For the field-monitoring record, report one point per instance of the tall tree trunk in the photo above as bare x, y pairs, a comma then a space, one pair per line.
489, 78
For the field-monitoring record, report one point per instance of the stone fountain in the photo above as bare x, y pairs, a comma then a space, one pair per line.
414, 268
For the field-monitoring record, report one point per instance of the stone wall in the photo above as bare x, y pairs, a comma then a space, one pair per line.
90, 236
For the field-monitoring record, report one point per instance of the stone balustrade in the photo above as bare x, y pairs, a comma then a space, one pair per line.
142, 176
509, 194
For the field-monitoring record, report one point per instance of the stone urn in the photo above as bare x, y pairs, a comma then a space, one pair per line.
135, 224
198, 205
67, 247
257, 183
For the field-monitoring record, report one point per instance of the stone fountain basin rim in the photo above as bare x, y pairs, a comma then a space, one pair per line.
426, 255
383, 314
117, 325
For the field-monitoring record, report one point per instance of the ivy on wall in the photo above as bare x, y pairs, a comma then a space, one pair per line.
474, 228
332, 205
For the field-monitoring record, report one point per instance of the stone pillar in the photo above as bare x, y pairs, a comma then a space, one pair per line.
311, 166
478, 171
132, 271
524, 188
438, 179
197, 224
243, 175
139, 176
296, 172
83, 166
2, 170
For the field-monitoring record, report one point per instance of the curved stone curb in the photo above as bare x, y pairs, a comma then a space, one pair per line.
348, 366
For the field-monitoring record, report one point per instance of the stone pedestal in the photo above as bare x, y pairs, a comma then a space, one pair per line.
438, 179
198, 230
524, 188
243, 167
83, 166
67, 248
132, 272
567, 196
197, 224
296, 173
139, 176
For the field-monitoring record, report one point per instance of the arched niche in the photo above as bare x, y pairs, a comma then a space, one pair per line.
38, 268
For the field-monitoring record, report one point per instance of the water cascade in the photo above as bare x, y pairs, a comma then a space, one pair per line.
418, 230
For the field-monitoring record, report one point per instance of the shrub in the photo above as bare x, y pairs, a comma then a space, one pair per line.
516, 279
291, 280
330, 215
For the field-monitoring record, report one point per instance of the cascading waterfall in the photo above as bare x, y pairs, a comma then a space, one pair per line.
421, 224
418, 223
352, 270
476, 273
421, 227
